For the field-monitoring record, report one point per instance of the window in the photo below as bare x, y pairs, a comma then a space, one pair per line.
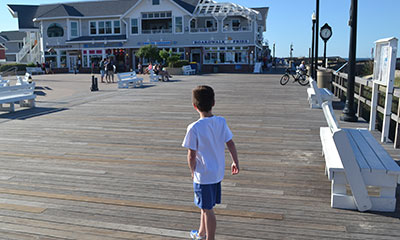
108, 27
178, 25
235, 24
117, 27
55, 30
74, 29
134, 26
156, 2
93, 27
102, 28
156, 15
209, 23
193, 23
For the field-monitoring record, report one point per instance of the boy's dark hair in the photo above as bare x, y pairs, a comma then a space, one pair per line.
203, 98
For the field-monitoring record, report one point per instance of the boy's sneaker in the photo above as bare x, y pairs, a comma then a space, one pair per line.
194, 234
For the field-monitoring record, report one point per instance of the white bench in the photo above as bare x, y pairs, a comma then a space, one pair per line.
187, 70
4, 83
22, 94
353, 157
316, 96
129, 79
154, 77
33, 70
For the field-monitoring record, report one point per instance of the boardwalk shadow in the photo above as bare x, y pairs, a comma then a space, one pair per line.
338, 105
24, 114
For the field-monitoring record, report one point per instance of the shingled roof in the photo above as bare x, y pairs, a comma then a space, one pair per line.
26, 13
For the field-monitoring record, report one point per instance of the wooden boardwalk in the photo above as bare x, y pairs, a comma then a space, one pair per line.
109, 165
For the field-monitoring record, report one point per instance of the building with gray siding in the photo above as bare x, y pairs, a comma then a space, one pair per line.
13, 42
219, 36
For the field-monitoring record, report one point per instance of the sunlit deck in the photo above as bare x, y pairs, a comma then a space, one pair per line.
109, 164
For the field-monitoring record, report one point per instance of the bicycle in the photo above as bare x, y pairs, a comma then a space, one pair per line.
298, 75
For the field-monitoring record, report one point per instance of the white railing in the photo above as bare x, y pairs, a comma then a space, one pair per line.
237, 29
202, 30
30, 51
156, 31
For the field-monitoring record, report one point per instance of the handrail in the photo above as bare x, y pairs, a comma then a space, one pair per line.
342, 66
12, 69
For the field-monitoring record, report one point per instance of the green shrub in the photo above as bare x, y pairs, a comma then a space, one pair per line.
180, 63
20, 67
31, 64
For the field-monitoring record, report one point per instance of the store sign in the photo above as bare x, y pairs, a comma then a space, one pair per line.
158, 43
219, 42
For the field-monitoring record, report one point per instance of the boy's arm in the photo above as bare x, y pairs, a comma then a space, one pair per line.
232, 150
191, 158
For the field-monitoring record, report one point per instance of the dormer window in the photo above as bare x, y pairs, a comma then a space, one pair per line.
156, 2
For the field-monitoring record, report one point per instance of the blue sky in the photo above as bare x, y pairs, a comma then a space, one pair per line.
289, 21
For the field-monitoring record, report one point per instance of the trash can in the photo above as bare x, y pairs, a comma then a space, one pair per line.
324, 79
193, 65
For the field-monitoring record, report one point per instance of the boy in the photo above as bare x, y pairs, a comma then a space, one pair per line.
205, 140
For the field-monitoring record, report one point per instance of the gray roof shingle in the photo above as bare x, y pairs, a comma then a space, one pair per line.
26, 13
13, 35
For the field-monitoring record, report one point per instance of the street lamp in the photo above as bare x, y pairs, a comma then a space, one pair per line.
316, 39
314, 19
348, 111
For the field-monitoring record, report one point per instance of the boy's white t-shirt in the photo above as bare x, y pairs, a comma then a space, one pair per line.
207, 136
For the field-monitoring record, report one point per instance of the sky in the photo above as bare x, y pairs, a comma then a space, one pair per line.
289, 22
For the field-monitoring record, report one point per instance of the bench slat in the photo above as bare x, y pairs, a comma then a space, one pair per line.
352, 170
365, 155
385, 158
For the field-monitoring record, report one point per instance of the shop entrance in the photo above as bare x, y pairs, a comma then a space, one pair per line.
73, 61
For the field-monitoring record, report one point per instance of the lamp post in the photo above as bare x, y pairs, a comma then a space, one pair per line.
313, 18
348, 111
316, 39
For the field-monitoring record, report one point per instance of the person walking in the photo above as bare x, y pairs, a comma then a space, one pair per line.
205, 140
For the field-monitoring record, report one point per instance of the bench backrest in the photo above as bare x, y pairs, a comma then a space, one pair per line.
25, 89
187, 68
4, 83
152, 74
126, 76
314, 85
330, 116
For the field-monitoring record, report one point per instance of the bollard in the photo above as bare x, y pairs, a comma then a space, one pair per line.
94, 86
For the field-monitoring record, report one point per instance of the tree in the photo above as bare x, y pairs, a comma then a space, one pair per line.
169, 57
149, 51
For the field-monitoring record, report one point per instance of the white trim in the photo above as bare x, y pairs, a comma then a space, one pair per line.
138, 24
174, 24
105, 20
75, 17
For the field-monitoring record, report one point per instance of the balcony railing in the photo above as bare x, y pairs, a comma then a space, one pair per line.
156, 31
237, 29
195, 30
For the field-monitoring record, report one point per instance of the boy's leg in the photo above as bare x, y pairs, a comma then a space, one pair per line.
210, 223
202, 228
